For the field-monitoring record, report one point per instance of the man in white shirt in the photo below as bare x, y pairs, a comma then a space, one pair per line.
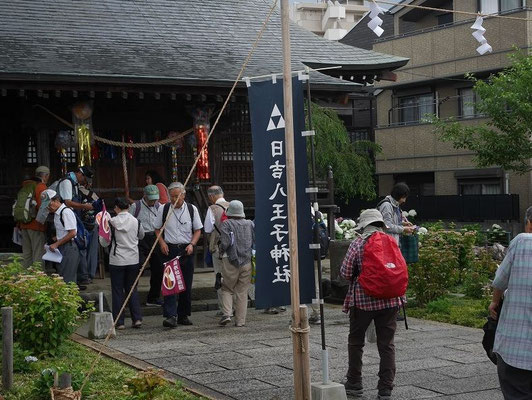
66, 229
213, 220
145, 210
181, 234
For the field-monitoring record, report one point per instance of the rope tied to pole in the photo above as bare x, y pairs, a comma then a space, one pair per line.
299, 332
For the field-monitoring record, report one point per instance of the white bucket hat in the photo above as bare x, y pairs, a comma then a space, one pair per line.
369, 216
235, 209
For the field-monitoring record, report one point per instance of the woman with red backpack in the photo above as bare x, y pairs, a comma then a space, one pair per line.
378, 279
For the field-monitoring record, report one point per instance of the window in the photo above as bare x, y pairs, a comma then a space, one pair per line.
360, 134
31, 152
479, 187
420, 183
416, 108
496, 6
467, 100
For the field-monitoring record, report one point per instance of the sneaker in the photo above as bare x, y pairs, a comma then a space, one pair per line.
154, 303
120, 327
82, 287
85, 282
225, 320
137, 324
271, 310
184, 321
384, 394
314, 319
353, 389
282, 309
170, 322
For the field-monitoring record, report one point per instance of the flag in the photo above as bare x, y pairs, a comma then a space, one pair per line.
173, 282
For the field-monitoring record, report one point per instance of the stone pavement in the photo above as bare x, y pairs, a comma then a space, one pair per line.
434, 360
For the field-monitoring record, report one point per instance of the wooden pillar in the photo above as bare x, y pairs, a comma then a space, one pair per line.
7, 347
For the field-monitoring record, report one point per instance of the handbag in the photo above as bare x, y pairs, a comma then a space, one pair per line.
488, 340
409, 245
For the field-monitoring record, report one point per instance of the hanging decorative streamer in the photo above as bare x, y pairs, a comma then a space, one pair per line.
174, 155
124, 168
479, 36
376, 21
81, 115
201, 131
63, 141
95, 152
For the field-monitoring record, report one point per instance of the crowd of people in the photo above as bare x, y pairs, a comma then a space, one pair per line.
71, 206
373, 266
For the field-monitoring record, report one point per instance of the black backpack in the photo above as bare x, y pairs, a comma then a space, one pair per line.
323, 237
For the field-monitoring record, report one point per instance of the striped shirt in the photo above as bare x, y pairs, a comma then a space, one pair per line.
513, 340
350, 270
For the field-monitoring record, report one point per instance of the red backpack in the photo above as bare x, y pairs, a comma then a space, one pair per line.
384, 272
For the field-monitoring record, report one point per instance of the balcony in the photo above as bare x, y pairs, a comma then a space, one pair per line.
450, 49
420, 109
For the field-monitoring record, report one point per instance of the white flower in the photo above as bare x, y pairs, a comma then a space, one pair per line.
495, 226
412, 213
422, 231
30, 359
405, 214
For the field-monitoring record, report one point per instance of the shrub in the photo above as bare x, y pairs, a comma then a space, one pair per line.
42, 385
146, 384
439, 306
479, 274
437, 268
45, 308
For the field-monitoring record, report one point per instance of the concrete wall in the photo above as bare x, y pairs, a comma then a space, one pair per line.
451, 50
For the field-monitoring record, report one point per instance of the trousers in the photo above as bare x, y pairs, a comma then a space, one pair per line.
156, 266
32, 246
180, 305
235, 281
516, 383
385, 326
69, 264
122, 279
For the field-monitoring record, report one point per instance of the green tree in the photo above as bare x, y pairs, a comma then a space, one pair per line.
352, 163
505, 140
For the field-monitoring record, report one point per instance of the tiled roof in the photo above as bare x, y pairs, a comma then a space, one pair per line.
165, 41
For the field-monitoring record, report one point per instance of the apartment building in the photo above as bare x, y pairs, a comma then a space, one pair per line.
329, 19
442, 50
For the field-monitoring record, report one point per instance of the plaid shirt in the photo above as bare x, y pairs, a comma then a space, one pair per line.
350, 270
513, 340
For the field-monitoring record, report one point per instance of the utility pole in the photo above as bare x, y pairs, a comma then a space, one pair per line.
299, 313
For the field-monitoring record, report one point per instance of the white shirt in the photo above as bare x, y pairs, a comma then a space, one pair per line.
209, 218
69, 220
147, 214
178, 229
66, 187
124, 250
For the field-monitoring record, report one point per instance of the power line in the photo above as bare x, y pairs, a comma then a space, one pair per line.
444, 10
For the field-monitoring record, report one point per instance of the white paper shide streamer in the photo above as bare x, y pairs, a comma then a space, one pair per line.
376, 22
479, 35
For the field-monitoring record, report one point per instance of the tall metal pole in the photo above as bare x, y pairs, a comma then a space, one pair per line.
317, 253
299, 338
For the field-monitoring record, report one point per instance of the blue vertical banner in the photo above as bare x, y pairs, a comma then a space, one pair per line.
272, 285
